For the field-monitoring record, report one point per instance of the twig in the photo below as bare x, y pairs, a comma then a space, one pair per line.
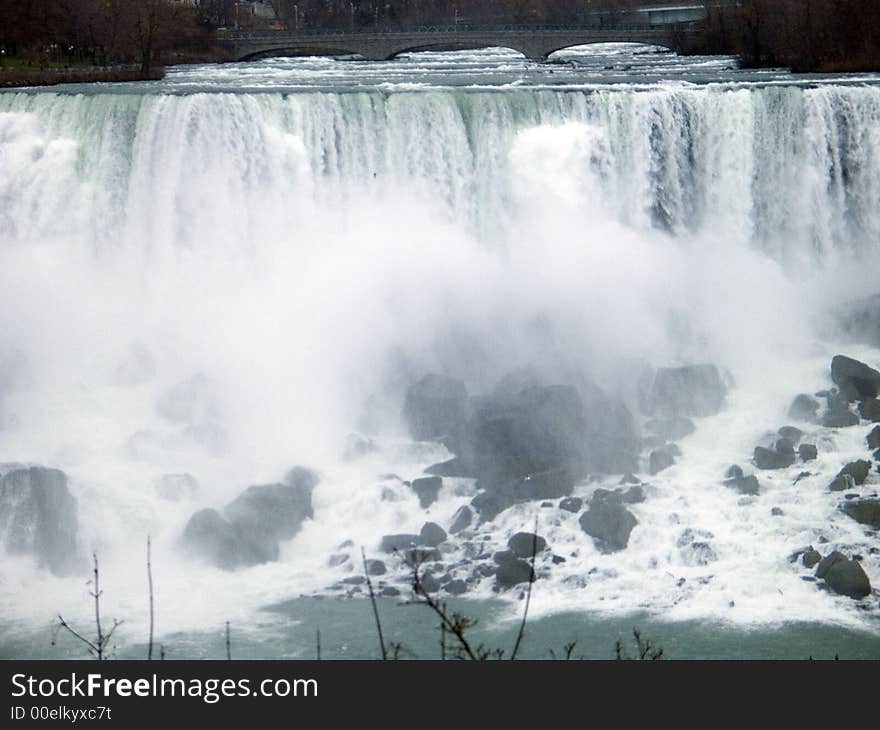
375, 607
97, 595
522, 626
228, 643
150, 583
318, 641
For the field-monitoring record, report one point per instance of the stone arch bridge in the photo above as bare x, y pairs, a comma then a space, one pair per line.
534, 42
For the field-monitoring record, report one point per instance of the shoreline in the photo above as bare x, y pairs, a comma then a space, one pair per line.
12, 79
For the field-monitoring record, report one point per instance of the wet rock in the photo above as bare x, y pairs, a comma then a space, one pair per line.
461, 520
337, 559
734, 472
392, 543
176, 487
419, 555
791, 433
843, 576
691, 390
491, 505
389, 591
209, 536
630, 478
777, 512
808, 452
427, 488
252, 525
855, 379
429, 583
864, 511
521, 544
671, 429
659, 460
550, 484
803, 408
785, 446
513, 572
39, 517
699, 553
557, 559
841, 483
375, 567
838, 414
873, 438
810, 558
744, 485
609, 523
869, 409
571, 504
858, 470
633, 495
432, 534
454, 467
436, 407
771, 459
455, 587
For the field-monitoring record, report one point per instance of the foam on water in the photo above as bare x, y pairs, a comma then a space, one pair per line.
308, 255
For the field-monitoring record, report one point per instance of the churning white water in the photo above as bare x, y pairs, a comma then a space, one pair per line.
305, 238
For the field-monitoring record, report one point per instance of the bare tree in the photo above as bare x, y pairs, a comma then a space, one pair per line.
97, 647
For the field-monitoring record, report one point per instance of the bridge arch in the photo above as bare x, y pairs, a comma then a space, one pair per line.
668, 46
288, 52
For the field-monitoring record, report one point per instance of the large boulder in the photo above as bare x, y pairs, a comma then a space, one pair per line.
864, 511
869, 409
844, 576
744, 484
838, 413
432, 534
808, 452
873, 438
392, 543
608, 522
803, 408
38, 516
523, 543
773, 458
461, 520
436, 408
209, 536
855, 379
513, 572
858, 470
660, 459
690, 390
250, 527
426, 489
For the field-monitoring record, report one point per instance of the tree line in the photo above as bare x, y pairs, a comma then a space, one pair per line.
804, 34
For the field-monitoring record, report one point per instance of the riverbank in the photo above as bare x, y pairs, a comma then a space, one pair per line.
24, 77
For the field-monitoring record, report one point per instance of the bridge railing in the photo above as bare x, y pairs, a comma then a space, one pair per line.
259, 35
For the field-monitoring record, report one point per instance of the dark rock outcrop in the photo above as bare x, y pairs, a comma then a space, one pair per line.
404, 541
864, 511
873, 438
734, 472
791, 433
252, 525
513, 572
426, 489
375, 567
838, 413
432, 534
38, 516
869, 409
521, 544
858, 470
455, 587
571, 504
856, 380
461, 520
842, 483
608, 522
691, 390
803, 408
808, 452
810, 558
844, 576
772, 458
744, 485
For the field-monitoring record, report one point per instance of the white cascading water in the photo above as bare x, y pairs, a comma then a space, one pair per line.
310, 254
